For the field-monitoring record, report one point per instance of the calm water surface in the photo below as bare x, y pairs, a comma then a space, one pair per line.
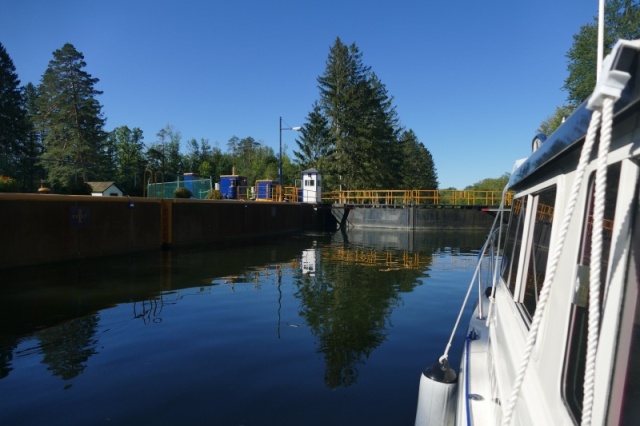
308, 330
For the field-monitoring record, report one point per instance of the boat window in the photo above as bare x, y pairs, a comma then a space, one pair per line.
631, 398
541, 236
573, 387
513, 242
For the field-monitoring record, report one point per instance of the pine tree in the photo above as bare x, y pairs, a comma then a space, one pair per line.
72, 121
316, 142
419, 171
362, 119
32, 170
13, 124
340, 95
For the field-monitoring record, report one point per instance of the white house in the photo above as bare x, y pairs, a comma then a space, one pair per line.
105, 189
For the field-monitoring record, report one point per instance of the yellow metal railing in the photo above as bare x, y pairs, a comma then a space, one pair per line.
279, 193
418, 197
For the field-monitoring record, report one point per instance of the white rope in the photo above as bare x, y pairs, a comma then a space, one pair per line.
593, 326
546, 287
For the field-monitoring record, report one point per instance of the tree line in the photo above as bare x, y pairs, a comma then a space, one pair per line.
53, 134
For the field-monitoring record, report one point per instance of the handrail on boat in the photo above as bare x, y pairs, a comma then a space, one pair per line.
488, 244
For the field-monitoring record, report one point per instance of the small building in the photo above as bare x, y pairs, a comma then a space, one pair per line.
311, 186
233, 187
264, 190
105, 189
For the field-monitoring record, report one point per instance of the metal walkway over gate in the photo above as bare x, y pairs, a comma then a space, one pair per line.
427, 198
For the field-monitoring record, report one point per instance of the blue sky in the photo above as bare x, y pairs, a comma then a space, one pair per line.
473, 79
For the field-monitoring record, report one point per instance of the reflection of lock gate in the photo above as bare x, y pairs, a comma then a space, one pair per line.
371, 257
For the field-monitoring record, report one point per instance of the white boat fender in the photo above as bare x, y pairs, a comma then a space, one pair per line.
437, 395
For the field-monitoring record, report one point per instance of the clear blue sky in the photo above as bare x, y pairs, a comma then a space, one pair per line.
473, 79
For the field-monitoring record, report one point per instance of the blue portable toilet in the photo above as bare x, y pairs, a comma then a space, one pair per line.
311, 186
189, 178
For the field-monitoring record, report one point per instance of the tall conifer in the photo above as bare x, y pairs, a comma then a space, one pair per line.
72, 121
363, 121
316, 142
13, 125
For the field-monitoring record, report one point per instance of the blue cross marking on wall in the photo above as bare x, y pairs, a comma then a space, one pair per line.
79, 216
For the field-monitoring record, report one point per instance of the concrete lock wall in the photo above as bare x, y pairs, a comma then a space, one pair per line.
36, 228
419, 218
213, 221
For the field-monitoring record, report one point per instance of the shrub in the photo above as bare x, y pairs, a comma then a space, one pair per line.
214, 194
78, 187
182, 192
8, 184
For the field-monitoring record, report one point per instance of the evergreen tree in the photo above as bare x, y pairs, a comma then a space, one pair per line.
622, 20
418, 171
362, 119
32, 171
13, 123
72, 121
340, 95
316, 142
382, 152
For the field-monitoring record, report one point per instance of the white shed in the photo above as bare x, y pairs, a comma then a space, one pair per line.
311, 186
105, 189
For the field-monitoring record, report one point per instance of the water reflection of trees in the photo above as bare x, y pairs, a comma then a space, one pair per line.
67, 347
347, 304
6, 357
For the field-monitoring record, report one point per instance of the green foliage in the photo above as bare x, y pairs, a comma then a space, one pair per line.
13, 122
166, 155
76, 186
30, 168
316, 142
71, 120
182, 192
214, 194
418, 170
363, 122
128, 158
198, 159
490, 184
622, 20
551, 123
8, 184
205, 169
255, 161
